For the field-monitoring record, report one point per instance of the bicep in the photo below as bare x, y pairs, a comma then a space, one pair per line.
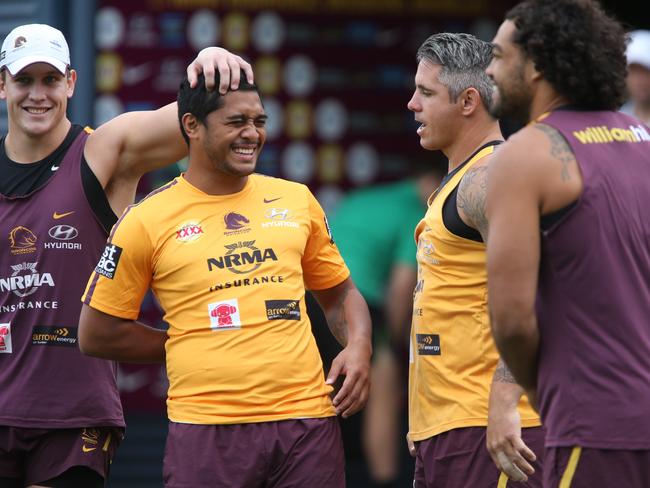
513, 246
471, 199
96, 328
134, 143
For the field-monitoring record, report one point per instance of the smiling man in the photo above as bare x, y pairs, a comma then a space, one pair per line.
229, 253
61, 187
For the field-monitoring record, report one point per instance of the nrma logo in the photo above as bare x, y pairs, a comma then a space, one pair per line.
25, 280
242, 258
603, 134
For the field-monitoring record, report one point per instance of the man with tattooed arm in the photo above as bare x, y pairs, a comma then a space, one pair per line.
455, 372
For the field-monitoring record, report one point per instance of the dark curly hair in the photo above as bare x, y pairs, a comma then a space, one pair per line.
577, 47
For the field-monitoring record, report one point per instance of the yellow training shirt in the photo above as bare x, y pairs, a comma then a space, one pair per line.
230, 272
452, 356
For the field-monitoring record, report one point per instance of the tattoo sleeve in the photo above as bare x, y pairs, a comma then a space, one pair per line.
502, 374
560, 149
471, 199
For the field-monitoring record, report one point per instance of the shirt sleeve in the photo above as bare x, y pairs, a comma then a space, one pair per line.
322, 264
123, 274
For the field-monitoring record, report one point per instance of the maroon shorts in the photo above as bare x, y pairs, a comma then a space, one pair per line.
459, 459
36, 455
577, 467
287, 453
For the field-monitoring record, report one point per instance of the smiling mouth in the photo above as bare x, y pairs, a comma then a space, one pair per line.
421, 128
247, 151
36, 111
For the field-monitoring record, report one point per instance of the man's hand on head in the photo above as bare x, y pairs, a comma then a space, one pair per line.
229, 66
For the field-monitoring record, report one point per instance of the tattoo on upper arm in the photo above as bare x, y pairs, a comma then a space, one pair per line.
560, 149
502, 374
471, 198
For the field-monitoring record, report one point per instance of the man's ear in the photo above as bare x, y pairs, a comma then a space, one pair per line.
531, 71
469, 100
190, 125
71, 80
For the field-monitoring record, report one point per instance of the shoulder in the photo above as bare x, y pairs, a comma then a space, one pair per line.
532, 150
265, 183
473, 182
471, 196
538, 161
279, 190
150, 206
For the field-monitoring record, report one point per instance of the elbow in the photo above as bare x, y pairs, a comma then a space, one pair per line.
87, 345
511, 325
90, 344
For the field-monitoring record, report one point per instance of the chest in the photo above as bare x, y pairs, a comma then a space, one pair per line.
213, 242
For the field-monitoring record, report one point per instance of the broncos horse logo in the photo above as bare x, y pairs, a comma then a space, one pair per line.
22, 240
235, 221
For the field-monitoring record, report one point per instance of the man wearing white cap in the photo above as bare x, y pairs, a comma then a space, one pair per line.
61, 188
638, 76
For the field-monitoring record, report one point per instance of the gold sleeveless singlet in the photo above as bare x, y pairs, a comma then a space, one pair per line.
452, 354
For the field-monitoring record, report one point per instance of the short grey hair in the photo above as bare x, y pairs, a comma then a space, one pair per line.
464, 59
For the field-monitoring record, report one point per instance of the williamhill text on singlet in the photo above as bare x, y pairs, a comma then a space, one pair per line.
603, 134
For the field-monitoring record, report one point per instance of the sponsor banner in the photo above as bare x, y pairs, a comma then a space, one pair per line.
282, 309
224, 315
25, 280
107, 265
428, 344
242, 257
5, 338
54, 336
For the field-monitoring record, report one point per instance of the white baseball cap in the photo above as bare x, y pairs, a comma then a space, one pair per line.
638, 50
34, 43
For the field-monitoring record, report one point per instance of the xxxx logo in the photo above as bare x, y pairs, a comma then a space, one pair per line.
189, 231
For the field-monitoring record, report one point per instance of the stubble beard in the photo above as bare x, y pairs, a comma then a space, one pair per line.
515, 106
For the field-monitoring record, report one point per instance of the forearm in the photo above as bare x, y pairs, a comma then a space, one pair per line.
518, 341
346, 312
349, 321
121, 340
505, 393
356, 326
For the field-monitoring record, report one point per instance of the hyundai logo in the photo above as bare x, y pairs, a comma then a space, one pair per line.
63, 232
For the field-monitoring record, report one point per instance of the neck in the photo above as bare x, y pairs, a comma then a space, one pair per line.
546, 100
213, 182
473, 138
26, 148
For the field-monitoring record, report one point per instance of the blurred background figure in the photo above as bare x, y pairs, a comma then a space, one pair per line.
638, 76
373, 229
